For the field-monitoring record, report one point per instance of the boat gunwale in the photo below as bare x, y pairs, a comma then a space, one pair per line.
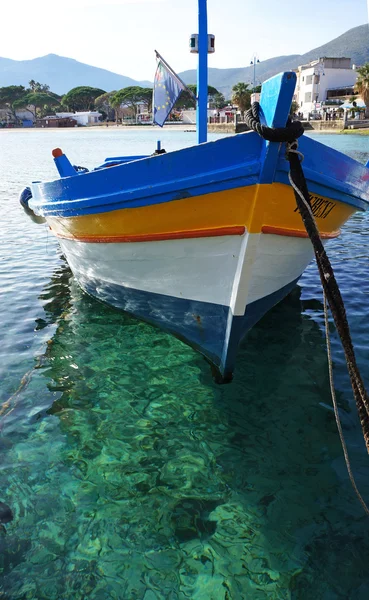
134, 197
206, 182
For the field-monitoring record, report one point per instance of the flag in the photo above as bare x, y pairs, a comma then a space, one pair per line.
167, 89
166, 93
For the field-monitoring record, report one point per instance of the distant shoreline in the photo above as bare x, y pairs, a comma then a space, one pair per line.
176, 127
111, 127
364, 131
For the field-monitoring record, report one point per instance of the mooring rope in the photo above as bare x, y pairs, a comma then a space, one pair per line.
335, 407
331, 291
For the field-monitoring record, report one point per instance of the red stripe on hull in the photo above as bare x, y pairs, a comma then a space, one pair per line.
157, 237
296, 232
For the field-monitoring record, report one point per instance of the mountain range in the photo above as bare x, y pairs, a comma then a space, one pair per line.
62, 74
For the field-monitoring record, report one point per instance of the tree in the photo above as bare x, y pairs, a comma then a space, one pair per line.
9, 95
211, 90
147, 98
294, 107
362, 85
40, 102
186, 100
81, 98
241, 97
35, 86
219, 101
256, 89
130, 97
103, 104
103, 101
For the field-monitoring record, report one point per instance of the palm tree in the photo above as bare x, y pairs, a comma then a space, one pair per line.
362, 85
241, 97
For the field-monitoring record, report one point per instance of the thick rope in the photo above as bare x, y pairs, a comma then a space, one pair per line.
80, 169
292, 132
331, 291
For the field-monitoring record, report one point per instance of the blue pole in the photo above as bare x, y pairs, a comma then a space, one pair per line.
202, 75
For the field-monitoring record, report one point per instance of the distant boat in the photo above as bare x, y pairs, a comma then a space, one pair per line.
202, 241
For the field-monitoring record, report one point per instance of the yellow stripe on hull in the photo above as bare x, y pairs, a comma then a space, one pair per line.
255, 207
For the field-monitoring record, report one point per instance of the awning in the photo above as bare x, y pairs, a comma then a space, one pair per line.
359, 104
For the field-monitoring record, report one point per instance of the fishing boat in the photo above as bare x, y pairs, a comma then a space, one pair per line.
202, 241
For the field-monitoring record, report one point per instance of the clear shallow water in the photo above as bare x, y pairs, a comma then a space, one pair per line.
130, 473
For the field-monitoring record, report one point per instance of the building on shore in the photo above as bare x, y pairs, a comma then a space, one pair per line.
324, 82
83, 118
54, 121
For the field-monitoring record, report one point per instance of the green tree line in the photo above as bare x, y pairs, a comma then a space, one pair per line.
40, 100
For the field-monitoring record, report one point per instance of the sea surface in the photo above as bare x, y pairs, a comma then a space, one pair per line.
131, 474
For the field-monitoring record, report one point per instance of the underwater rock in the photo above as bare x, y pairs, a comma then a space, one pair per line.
190, 518
6, 514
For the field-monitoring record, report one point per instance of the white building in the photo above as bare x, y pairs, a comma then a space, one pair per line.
324, 80
189, 116
83, 118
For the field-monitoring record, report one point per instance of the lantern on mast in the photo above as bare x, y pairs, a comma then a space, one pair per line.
194, 43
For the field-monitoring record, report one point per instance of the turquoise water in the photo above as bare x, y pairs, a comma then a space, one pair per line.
131, 474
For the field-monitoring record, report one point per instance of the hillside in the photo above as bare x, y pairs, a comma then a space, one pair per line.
61, 74
353, 44
224, 79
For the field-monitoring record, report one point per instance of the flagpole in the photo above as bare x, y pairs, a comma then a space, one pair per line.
202, 75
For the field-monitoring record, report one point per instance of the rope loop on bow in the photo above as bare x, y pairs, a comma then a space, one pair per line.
290, 133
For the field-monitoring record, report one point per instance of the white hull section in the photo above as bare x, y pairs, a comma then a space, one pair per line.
278, 261
200, 269
231, 271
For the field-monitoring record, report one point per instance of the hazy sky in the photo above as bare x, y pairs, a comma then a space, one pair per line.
121, 35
